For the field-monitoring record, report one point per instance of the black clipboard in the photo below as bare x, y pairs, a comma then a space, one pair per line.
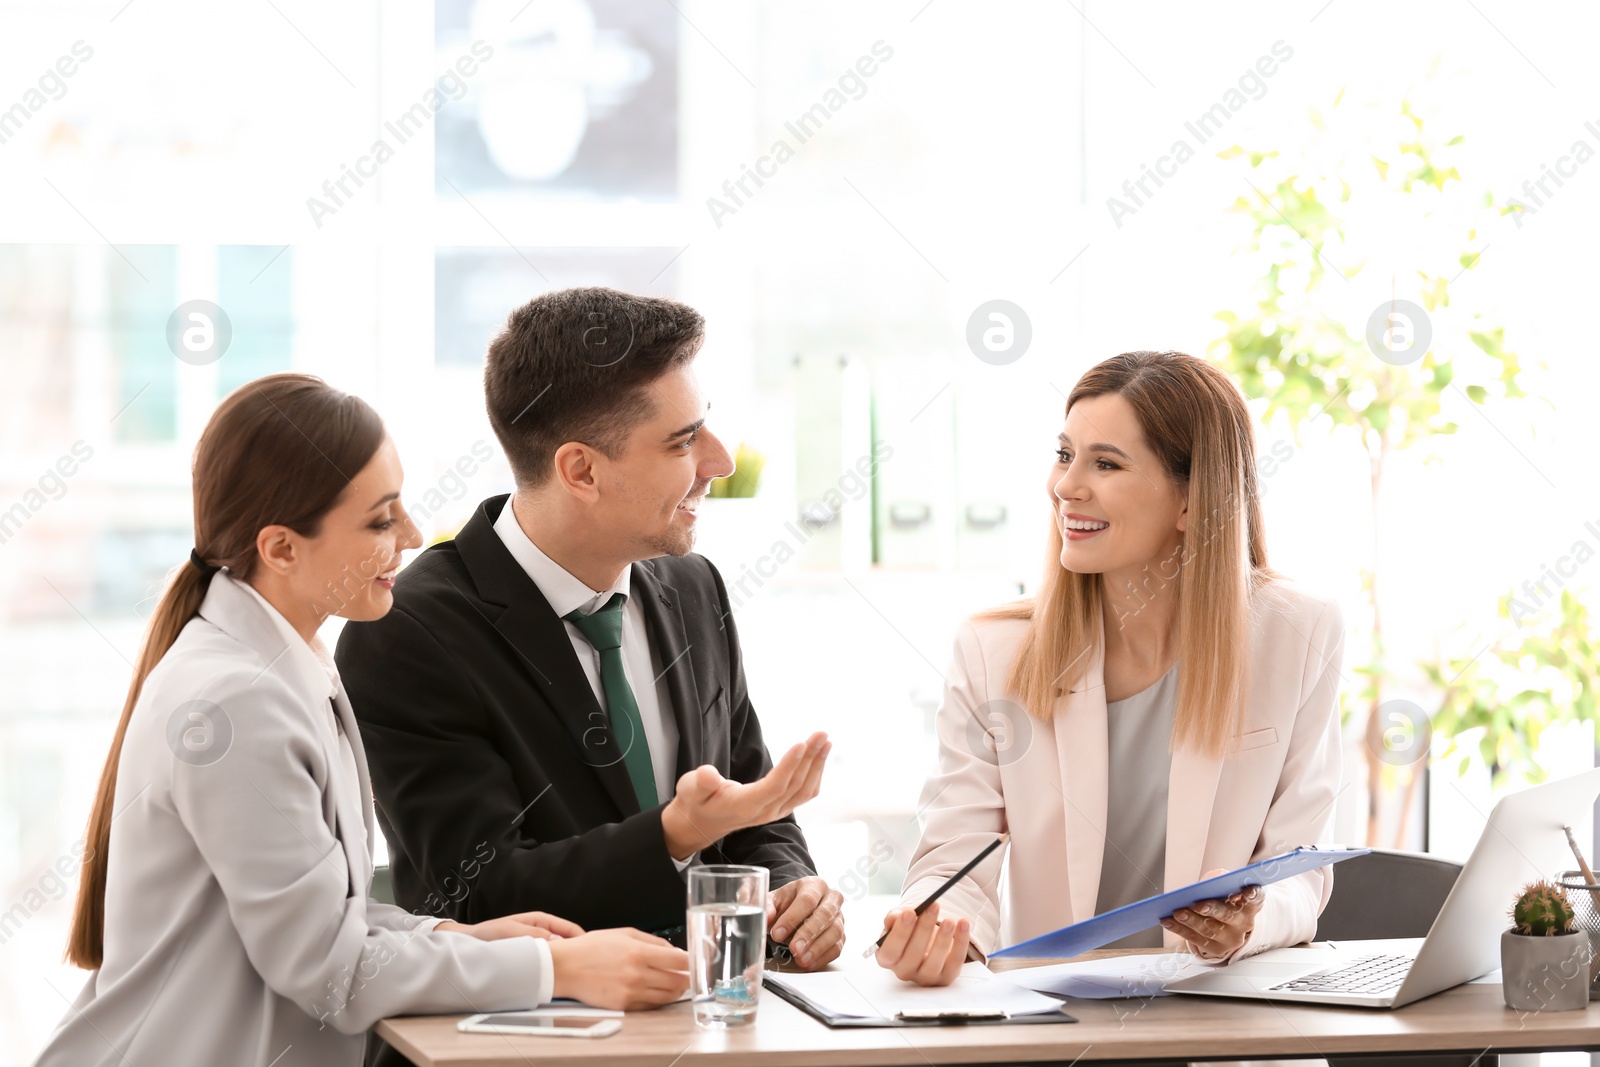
835, 1021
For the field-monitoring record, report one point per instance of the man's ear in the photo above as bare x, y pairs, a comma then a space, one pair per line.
575, 472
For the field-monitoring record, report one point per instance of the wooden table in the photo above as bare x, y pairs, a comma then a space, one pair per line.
1470, 1019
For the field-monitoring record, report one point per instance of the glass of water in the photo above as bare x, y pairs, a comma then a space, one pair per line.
727, 942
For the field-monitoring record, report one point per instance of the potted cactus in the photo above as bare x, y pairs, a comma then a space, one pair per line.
1544, 958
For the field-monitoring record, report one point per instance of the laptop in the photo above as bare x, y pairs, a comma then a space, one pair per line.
1522, 841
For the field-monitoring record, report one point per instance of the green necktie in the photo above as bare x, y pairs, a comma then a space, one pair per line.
604, 631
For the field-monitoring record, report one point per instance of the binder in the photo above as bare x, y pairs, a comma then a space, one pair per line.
1143, 914
914, 416
834, 465
1001, 516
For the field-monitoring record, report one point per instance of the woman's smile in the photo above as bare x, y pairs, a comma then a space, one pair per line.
1076, 527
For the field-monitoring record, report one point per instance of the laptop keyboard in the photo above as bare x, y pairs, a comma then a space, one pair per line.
1370, 974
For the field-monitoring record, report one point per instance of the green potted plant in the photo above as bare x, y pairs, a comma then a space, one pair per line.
1544, 958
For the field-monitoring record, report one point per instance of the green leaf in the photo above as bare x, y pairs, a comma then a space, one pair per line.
1435, 292
1478, 393
1491, 342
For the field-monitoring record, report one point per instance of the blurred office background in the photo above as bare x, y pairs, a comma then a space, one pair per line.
911, 227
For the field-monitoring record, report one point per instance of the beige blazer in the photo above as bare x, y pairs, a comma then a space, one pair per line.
238, 928
1045, 783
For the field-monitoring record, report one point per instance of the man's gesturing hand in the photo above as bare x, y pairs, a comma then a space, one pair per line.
709, 807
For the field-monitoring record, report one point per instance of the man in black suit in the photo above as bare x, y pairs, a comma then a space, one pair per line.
555, 711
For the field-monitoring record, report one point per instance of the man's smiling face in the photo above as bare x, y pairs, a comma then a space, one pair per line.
649, 492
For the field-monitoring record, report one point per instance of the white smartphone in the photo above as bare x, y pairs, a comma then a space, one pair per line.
539, 1025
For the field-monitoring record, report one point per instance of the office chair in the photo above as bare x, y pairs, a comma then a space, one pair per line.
1386, 894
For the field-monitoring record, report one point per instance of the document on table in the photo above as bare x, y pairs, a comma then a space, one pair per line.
872, 992
1140, 975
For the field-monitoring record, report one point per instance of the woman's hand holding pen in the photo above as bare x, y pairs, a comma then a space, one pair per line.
921, 949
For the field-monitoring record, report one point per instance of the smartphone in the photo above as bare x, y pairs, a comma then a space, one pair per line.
516, 1022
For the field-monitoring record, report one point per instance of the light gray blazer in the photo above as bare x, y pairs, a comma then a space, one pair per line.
238, 928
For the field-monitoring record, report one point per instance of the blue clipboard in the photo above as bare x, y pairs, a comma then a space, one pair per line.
1143, 914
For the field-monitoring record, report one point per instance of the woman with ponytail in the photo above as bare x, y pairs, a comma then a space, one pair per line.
223, 905
1166, 705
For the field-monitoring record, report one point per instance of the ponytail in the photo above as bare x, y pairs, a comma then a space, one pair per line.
178, 605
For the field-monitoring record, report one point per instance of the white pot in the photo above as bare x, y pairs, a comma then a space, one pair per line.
1545, 973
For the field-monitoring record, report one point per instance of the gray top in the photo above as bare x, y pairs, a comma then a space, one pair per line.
1138, 764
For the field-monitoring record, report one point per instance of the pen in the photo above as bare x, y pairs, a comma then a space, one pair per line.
937, 893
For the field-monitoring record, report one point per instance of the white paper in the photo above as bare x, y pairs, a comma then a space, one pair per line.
1142, 975
872, 992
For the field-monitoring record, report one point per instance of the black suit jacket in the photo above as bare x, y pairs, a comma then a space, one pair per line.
498, 781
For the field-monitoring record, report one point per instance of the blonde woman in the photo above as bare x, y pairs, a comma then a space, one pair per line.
1164, 708
223, 906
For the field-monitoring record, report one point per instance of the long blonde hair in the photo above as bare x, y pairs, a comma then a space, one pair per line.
278, 450
1195, 420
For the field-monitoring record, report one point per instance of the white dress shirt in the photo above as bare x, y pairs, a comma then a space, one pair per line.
639, 661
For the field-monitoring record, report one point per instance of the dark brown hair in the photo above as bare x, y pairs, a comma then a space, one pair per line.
278, 451
577, 365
